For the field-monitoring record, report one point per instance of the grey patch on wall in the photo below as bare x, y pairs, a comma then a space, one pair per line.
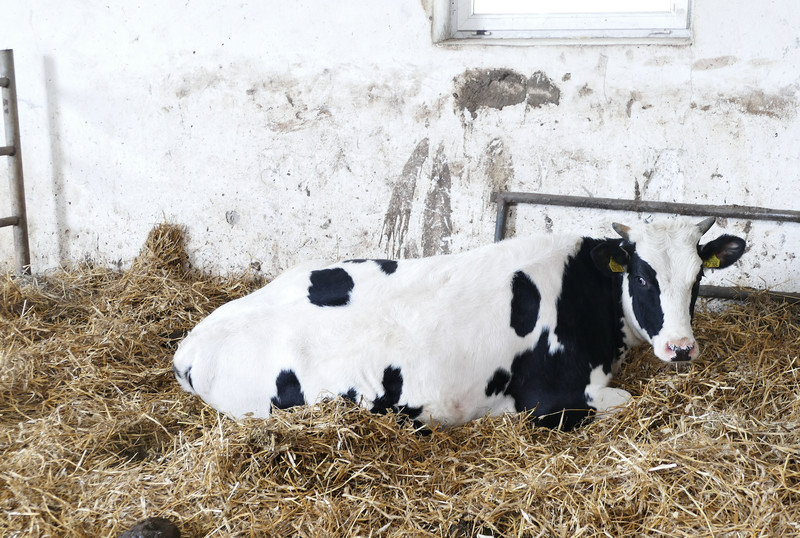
437, 225
759, 103
635, 96
398, 215
542, 91
198, 80
498, 165
704, 64
232, 217
498, 88
491, 88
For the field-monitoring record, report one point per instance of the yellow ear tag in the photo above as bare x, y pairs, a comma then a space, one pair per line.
712, 262
614, 266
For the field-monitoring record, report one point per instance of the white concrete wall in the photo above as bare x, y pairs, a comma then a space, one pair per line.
282, 131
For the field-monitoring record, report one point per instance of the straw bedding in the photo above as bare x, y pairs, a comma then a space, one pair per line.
95, 433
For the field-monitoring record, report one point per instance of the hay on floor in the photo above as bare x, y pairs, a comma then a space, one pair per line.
95, 433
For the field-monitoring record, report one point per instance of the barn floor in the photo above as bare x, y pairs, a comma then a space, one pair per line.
95, 433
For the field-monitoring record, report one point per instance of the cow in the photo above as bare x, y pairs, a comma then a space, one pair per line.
537, 324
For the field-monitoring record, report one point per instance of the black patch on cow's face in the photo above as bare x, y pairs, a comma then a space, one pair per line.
289, 392
695, 293
387, 266
498, 383
330, 287
525, 299
550, 384
645, 296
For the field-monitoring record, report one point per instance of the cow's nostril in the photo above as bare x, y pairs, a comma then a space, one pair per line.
682, 354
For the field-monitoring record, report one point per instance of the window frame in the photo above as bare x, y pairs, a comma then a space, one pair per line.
454, 22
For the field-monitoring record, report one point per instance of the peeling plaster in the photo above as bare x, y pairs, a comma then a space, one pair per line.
437, 220
499, 88
398, 214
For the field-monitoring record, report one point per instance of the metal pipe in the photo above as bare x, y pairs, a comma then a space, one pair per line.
504, 199
696, 210
9, 151
500, 219
16, 184
742, 294
9, 221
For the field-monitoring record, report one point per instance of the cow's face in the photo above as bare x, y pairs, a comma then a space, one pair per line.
661, 266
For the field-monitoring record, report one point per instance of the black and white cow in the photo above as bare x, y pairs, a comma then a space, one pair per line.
531, 323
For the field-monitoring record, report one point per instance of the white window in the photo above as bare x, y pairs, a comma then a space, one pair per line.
498, 21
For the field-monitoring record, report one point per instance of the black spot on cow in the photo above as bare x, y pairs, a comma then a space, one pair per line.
645, 295
289, 392
589, 319
389, 400
392, 388
187, 375
351, 395
551, 385
387, 266
330, 287
498, 383
589, 329
525, 299
408, 411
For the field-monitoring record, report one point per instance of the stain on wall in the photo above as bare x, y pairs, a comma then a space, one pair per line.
704, 64
542, 91
437, 226
398, 214
499, 88
760, 103
491, 88
497, 165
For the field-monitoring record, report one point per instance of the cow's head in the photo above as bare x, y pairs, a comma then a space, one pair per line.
661, 265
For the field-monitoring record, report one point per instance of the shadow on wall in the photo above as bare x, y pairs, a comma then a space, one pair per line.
56, 155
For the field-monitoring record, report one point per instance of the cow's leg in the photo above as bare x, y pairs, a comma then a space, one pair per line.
601, 397
606, 399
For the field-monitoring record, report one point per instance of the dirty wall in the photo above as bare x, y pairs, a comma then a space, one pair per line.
278, 132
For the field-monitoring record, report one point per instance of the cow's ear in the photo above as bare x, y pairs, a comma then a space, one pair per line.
610, 257
722, 251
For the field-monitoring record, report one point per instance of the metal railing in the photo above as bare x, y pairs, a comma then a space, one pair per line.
18, 218
504, 199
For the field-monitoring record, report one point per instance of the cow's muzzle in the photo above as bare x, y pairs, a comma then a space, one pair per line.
682, 353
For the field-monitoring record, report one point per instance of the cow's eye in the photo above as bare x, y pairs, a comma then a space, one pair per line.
642, 281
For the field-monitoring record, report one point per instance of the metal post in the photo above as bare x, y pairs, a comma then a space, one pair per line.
13, 150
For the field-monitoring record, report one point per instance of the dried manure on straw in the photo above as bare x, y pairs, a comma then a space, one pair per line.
97, 435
